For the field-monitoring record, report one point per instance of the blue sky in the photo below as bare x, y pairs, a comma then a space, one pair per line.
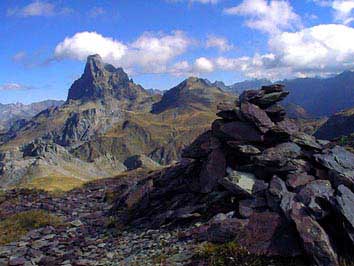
160, 42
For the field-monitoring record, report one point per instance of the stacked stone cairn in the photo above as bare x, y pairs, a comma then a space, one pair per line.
256, 179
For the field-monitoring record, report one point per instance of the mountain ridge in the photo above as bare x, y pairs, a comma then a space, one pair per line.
105, 121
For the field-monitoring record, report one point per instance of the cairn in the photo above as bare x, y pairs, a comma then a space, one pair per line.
275, 190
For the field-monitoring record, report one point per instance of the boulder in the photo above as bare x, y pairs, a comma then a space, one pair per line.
317, 196
237, 130
244, 149
231, 115
223, 231
201, 147
257, 116
265, 97
273, 88
265, 234
305, 140
315, 241
287, 126
279, 155
345, 203
340, 164
239, 183
297, 180
276, 112
212, 170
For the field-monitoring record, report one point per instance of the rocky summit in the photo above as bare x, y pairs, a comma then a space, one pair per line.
254, 178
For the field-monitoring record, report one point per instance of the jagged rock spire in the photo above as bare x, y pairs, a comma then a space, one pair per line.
101, 81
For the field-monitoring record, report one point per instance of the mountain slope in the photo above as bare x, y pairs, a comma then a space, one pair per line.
340, 124
105, 121
192, 93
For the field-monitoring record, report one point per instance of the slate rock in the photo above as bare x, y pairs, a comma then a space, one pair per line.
315, 240
305, 140
231, 115
212, 170
345, 201
276, 112
317, 196
239, 183
224, 231
257, 116
244, 149
279, 155
201, 147
294, 181
269, 99
340, 164
265, 235
273, 88
240, 131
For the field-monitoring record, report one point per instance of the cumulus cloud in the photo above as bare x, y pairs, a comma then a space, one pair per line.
268, 16
14, 87
38, 8
203, 65
220, 43
150, 53
319, 50
85, 43
342, 9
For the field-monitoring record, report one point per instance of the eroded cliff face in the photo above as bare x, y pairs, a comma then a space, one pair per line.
256, 179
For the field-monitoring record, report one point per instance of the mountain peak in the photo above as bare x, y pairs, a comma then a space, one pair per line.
192, 92
101, 81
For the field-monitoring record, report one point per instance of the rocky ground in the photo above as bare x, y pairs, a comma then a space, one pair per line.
85, 237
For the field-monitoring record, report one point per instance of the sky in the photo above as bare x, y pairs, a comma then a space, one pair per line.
44, 44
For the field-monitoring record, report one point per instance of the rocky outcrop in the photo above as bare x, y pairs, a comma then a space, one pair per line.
102, 81
282, 192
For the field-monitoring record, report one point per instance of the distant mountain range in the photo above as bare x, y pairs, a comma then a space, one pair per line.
9, 113
318, 96
107, 124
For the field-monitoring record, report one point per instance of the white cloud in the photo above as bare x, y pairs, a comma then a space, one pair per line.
203, 64
319, 50
181, 68
218, 42
150, 53
85, 43
268, 16
14, 87
343, 9
38, 8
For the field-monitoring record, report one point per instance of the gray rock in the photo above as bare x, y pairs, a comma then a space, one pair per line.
315, 196
340, 164
315, 240
239, 183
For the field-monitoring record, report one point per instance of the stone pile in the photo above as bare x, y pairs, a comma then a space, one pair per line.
255, 178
